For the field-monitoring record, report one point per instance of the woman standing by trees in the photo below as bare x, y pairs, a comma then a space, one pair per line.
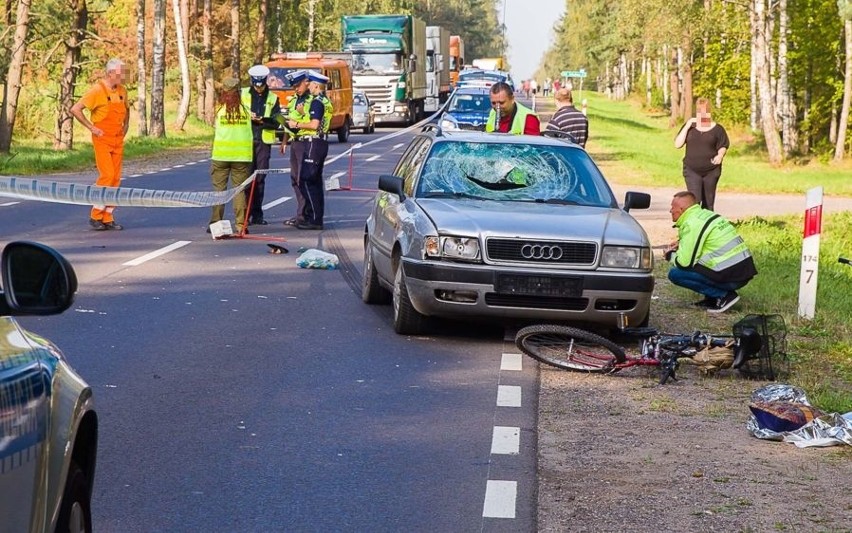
706, 144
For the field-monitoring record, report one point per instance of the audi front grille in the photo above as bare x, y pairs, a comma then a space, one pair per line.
541, 252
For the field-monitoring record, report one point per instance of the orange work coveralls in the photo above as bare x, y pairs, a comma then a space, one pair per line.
108, 110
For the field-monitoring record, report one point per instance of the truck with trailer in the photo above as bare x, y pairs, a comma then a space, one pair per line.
456, 58
388, 64
490, 63
437, 67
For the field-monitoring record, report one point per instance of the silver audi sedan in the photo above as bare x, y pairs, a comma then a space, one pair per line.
497, 226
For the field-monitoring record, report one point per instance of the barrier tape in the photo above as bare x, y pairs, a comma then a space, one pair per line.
79, 194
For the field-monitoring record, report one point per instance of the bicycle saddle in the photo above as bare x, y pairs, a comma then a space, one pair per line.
749, 344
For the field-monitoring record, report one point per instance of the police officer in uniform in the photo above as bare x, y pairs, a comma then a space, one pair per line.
317, 90
265, 108
304, 118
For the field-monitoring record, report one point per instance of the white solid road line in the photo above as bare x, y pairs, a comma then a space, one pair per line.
7, 204
506, 440
157, 253
373, 158
397, 146
508, 396
500, 499
512, 361
277, 201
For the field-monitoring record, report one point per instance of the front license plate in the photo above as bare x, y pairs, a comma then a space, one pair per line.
539, 285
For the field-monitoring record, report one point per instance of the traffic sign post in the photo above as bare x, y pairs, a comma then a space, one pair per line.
810, 253
575, 74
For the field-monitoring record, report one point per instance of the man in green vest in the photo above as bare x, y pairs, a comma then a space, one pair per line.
508, 116
709, 257
265, 108
304, 118
317, 90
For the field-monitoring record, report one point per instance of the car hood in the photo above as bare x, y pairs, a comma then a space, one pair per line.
488, 218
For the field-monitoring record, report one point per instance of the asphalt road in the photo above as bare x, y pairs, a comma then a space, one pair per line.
238, 392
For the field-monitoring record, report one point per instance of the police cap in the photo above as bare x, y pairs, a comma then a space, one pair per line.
258, 74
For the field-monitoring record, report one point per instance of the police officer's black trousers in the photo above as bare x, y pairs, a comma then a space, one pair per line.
260, 161
310, 180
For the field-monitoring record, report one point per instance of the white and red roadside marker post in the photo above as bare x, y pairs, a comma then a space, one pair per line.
810, 254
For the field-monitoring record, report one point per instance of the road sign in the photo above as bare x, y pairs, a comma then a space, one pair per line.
574, 73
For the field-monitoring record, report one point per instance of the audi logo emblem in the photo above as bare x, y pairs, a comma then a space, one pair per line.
540, 251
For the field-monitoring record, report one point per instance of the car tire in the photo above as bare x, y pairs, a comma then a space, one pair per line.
367, 130
343, 131
75, 513
406, 319
371, 291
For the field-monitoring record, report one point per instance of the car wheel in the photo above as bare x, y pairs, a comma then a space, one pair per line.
367, 130
75, 514
406, 319
371, 291
343, 131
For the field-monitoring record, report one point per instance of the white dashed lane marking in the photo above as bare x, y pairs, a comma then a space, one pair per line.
512, 361
508, 396
500, 499
275, 202
7, 204
397, 146
373, 158
506, 440
157, 253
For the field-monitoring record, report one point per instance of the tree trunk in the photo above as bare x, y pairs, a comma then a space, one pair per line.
673, 88
686, 112
789, 135
312, 11
840, 147
207, 67
12, 87
235, 39
63, 138
260, 44
183, 105
158, 71
767, 113
142, 68
754, 114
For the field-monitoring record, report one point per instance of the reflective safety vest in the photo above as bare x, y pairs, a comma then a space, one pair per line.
328, 110
304, 116
520, 120
709, 244
232, 141
267, 135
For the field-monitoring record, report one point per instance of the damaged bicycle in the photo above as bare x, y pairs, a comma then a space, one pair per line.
756, 347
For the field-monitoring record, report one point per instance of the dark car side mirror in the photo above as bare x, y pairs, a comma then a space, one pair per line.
636, 200
391, 184
37, 280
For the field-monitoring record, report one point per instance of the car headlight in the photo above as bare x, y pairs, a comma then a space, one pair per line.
448, 124
626, 257
455, 248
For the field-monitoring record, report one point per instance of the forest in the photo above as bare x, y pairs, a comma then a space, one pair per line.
781, 68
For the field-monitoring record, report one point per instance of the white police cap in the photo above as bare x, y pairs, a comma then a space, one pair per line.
313, 75
258, 71
297, 76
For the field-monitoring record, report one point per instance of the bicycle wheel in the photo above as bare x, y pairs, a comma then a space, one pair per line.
569, 348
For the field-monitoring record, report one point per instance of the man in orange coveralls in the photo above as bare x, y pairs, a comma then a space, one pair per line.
108, 120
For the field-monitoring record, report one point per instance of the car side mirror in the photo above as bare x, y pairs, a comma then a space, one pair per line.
37, 280
392, 184
636, 200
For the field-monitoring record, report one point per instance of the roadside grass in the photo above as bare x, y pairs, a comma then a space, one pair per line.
29, 157
637, 147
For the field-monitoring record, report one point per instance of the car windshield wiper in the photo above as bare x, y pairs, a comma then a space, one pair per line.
560, 201
450, 194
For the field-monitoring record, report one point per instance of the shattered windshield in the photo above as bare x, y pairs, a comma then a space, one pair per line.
468, 103
513, 172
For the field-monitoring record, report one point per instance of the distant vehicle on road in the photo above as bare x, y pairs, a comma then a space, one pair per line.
474, 77
48, 424
496, 226
456, 58
490, 63
437, 67
363, 116
467, 109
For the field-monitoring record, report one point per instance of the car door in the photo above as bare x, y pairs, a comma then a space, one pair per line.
24, 408
387, 206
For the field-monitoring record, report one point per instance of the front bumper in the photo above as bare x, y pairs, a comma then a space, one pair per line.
452, 289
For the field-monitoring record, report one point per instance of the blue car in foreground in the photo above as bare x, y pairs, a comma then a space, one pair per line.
467, 109
48, 424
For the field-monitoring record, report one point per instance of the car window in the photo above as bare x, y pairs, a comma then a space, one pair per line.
465, 103
418, 157
359, 99
514, 172
403, 167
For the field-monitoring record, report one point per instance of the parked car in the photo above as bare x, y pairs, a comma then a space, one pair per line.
475, 77
501, 226
363, 115
48, 424
467, 109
